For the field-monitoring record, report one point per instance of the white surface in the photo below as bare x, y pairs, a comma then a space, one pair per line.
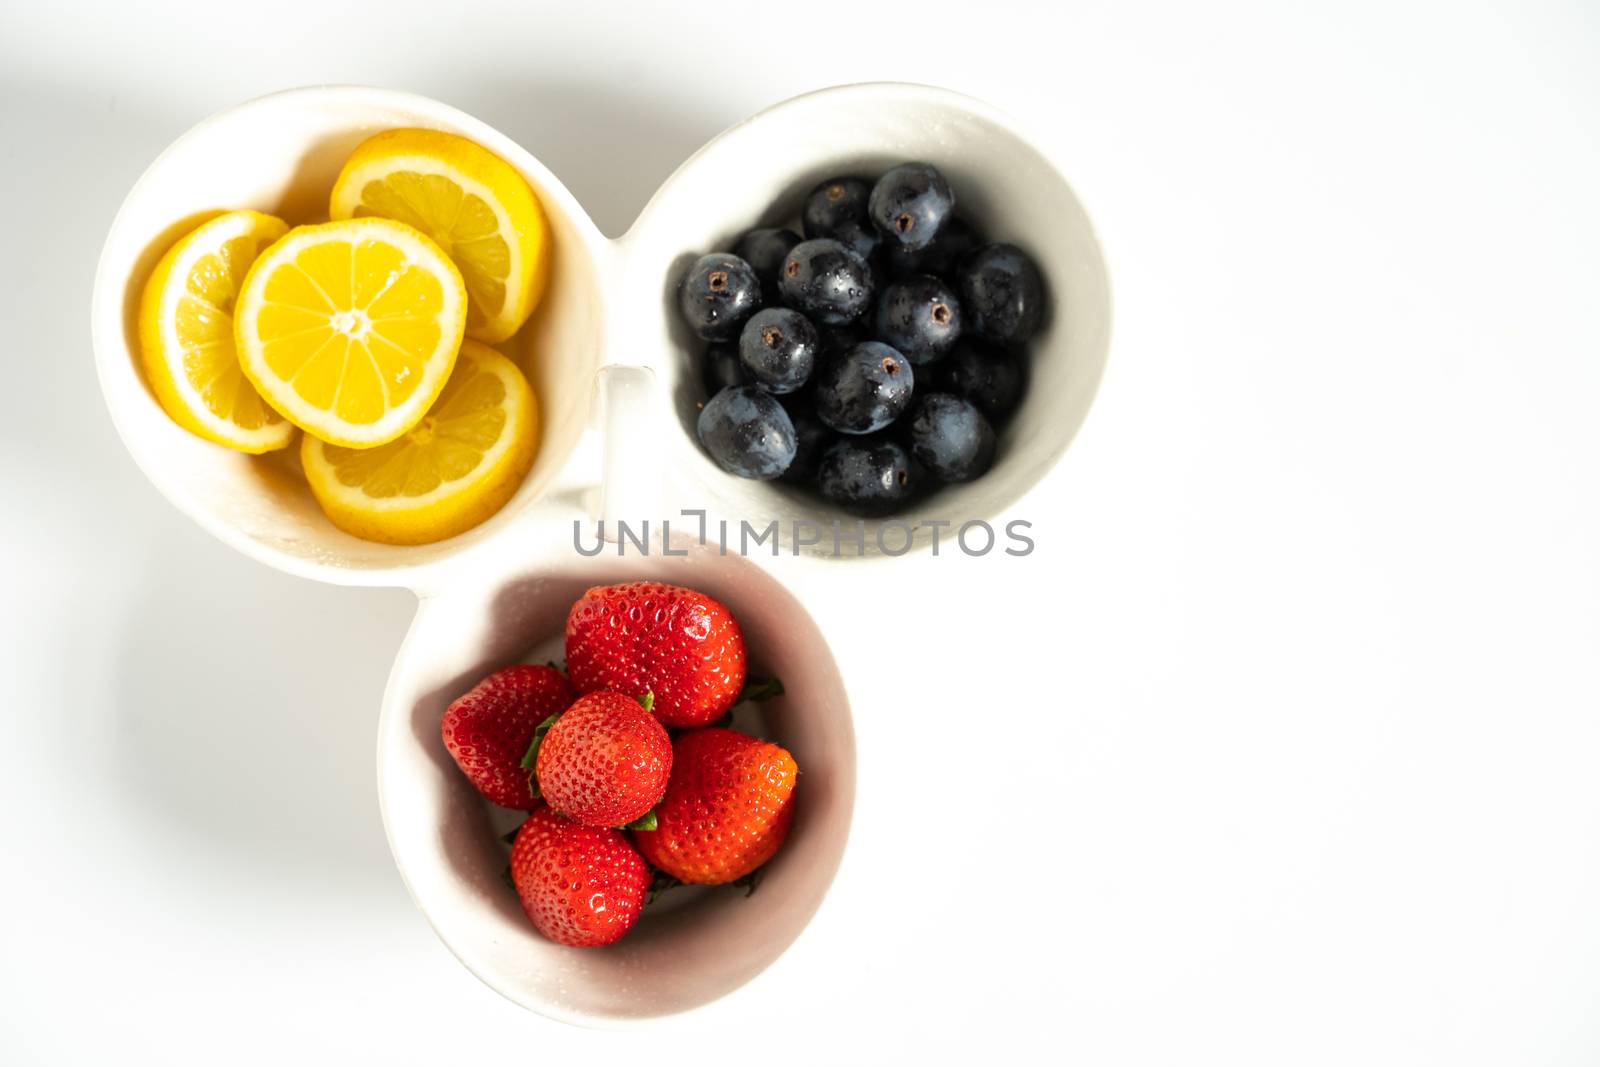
1316, 601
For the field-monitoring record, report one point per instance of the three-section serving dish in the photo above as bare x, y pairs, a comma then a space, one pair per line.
612, 367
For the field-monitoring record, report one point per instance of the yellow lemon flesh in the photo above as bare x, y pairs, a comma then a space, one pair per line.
186, 341
472, 203
453, 470
349, 329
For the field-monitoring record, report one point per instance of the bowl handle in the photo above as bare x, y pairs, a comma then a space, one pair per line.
630, 478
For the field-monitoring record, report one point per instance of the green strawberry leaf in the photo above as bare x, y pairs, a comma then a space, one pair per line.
760, 690
505, 876
648, 701
530, 758
749, 882
510, 836
660, 884
726, 720
647, 821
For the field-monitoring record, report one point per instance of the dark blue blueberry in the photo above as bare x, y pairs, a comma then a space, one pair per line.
920, 317
910, 203
941, 257
863, 389
778, 347
826, 281
720, 368
837, 208
747, 431
1002, 295
812, 438
717, 295
991, 378
951, 437
764, 251
866, 477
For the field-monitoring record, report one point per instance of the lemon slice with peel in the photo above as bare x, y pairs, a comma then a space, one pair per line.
472, 203
349, 329
186, 334
451, 471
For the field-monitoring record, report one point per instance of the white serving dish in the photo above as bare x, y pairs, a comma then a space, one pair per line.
607, 329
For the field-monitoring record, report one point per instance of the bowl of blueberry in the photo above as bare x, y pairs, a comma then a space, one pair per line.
886, 304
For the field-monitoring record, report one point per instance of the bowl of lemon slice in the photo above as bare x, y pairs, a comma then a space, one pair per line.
352, 332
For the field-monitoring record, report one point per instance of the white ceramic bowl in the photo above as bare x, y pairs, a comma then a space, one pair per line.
757, 174
691, 947
280, 154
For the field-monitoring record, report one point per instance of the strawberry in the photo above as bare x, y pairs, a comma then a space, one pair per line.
581, 885
489, 729
727, 808
605, 761
647, 637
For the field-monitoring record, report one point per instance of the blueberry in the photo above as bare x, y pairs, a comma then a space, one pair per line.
825, 280
812, 438
863, 389
910, 203
838, 209
721, 368
870, 477
941, 257
764, 251
951, 437
778, 347
1002, 294
717, 295
747, 431
991, 378
920, 317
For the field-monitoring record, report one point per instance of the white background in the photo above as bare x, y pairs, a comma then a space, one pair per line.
1282, 749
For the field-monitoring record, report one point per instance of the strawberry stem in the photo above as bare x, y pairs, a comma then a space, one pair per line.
530, 758
660, 884
760, 690
648, 701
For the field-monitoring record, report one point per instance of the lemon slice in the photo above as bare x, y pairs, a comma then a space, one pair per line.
186, 334
453, 470
474, 204
349, 329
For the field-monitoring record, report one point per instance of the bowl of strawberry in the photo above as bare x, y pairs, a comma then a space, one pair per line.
617, 795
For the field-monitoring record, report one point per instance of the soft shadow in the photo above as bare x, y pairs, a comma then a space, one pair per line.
245, 713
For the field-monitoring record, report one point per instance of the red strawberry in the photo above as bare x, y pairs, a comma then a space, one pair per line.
605, 762
489, 729
647, 637
727, 808
581, 885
